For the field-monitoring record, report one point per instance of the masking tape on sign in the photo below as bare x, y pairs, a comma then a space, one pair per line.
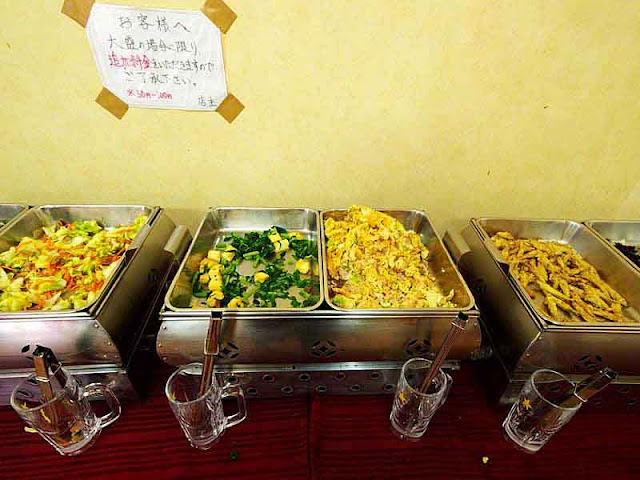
78, 10
230, 108
111, 103
219, 13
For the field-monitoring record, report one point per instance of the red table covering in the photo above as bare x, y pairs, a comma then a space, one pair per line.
337, 437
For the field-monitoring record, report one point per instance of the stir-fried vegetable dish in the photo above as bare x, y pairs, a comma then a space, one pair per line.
64, 268
269, 253
374, 262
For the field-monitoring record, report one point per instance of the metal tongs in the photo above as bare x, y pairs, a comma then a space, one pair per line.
586, 389
48, 368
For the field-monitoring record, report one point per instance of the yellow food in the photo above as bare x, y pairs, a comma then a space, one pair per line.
215, 255
236, 302
281, 245
303, 266
566, 280
260, 277
374, 262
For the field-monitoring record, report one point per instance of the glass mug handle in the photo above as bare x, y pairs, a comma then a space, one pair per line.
100, 390
235, 391
449, 381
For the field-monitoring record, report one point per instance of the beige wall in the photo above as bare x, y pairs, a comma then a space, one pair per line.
521, 108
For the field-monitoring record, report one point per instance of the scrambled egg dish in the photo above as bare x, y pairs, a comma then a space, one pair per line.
374, 262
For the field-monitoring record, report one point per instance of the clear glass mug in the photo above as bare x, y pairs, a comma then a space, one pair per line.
202, 418
535, 417
66, 421
412, 410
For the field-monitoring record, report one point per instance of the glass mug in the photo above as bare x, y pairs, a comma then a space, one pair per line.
201, 417
65, 420
535, 417
412, 410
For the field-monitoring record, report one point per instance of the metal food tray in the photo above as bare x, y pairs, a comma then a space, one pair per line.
440, 264
31, 224
613, 269
626, 232
9, 212
220, 222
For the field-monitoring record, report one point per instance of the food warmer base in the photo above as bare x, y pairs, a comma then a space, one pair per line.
103, 344
322, 351
319, 348
521, 342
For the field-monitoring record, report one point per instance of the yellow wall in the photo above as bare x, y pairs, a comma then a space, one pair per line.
525, 108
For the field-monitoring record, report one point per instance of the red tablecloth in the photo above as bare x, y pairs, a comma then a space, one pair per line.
337, 437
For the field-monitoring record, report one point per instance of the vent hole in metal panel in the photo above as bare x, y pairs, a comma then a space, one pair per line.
375, 375
632, 402
323, 348
588, 363
624, 390
304, 377
268, 378
417, 347
229, 350
355, 388
287, 389
232, 380
321, 389
340, 376
252, 391
389, 387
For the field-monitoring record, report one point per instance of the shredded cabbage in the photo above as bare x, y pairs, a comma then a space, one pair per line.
64, 268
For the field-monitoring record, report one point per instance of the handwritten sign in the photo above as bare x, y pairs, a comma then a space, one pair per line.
158, 58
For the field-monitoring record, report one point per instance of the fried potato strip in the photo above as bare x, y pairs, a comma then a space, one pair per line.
566, 280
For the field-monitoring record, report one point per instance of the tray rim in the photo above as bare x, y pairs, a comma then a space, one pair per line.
25, 208
590, 225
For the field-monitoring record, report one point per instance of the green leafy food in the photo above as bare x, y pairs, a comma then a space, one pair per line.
304, 248
267, 248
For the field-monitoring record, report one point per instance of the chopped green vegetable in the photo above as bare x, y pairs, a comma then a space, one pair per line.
268, 248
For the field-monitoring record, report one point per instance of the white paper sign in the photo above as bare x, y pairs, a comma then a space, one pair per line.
158, 58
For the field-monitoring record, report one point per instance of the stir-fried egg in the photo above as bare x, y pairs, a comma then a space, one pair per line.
373, 262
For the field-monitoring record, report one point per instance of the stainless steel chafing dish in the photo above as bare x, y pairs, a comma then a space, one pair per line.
10, 212
524, 338
99, 340
292, 351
